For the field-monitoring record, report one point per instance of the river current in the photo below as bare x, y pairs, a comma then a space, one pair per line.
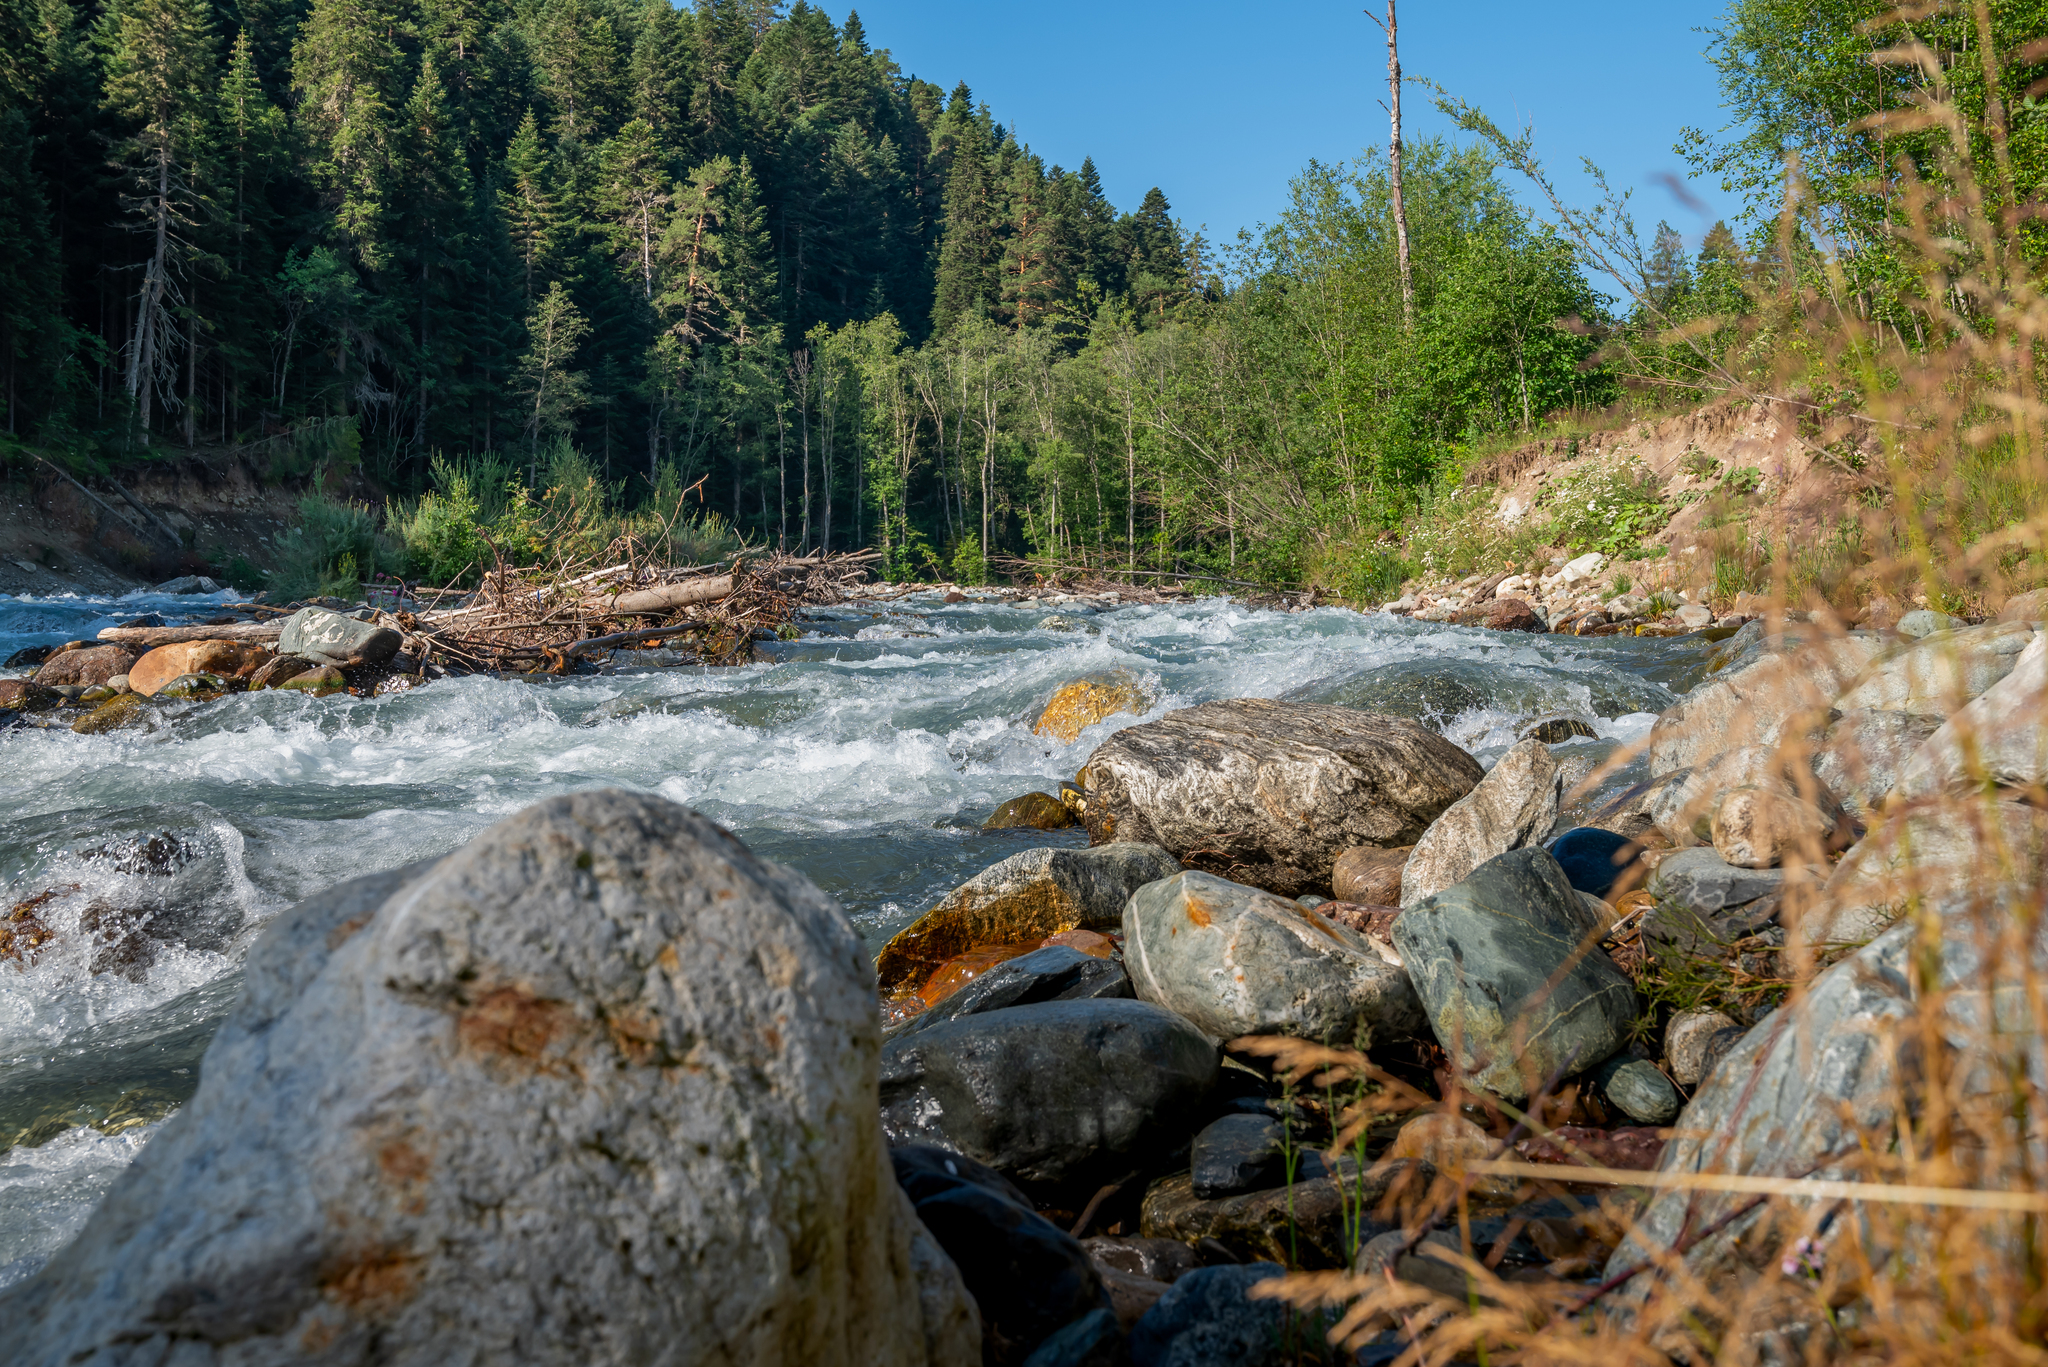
864, 754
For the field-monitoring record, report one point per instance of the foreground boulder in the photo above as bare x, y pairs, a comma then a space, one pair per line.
1999, 741
330, 638
1514, 805
1942, 672
1270, 793
86, 666
595, 1088
1047, 1092
1515, 988
1237, 961
1919, 854
1020, 901
229, 659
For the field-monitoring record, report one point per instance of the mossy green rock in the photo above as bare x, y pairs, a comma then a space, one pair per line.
130, 709
318, 682
1033, 812
1510, 993
194, 686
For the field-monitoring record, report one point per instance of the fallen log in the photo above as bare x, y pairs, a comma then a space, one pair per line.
669, 597
149, 638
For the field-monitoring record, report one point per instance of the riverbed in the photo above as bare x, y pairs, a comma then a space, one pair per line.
865, 754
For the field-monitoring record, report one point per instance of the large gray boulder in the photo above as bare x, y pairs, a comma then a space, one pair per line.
1508, 968
1514, 805
1759, 698
2000, 740
1238, 961
1936, 676
1920, 854
330, 638
1024, 899
1270, 793
1865, 752
1047, 1092
596, 1088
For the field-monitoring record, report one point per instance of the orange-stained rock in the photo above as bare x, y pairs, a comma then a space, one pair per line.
1033, 811
1086, 941
1077, 705
1370, 875
229, 659
956, 973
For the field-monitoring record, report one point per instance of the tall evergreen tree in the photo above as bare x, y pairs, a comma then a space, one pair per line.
526, 197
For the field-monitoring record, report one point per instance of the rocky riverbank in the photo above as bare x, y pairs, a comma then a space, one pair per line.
1325, 994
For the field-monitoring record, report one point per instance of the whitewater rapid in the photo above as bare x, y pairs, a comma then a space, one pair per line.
864, 754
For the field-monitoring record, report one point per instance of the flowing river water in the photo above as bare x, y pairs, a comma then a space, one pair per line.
864, 754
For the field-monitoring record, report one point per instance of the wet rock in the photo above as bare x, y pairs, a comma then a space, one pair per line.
229, 659
1028, 1277
1864, 753
278, 668
28, 656
1022, 900
1047, 1092
127, 710
1054, 973
1758, 828
99, 693
1639, 1090
1594, 860
26, 695
1236, 1153
1489, 957
89, 666
1033, 811
1936, 857
1369, 875
1697, 1040
1757, 699
1094, 1340
1209, 1317
1306, 1220
193, 686
1270, 793
319, 682
1515, 804
1556, 728
450, 1114
1701, 880
1159, 1260
23, 932
1999, 741
328, 636
191, 583
1420, 690
1941, 673
1237, 961
1081, 703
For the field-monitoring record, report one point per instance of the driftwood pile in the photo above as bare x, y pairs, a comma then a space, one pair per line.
545, 619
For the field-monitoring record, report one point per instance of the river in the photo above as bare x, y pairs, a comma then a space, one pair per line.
864, 754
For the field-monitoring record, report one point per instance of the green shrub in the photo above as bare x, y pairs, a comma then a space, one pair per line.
1609, 508
443, 544
969, 566
332, 550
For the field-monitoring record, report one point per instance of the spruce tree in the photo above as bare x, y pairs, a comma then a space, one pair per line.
970, 251
526, 197
633, 194
348, 70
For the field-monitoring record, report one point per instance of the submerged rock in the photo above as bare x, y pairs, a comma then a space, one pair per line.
1514, 805
1237, 961
1032, 811
1081, 703
1270, 793
493, 1109
1022, 900
1513, 990
1045, 1093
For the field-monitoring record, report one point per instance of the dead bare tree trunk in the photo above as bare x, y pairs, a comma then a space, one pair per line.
1394, 168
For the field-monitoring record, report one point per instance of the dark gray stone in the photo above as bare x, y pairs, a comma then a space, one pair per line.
1669, 925
1208, 1317
1640, 1090
1556, 729
1094, 1340
1702, 881
1159, 1260
1028, 1276
1489, 956
1056, 973
1047, 1092
318, 634
1236, 1153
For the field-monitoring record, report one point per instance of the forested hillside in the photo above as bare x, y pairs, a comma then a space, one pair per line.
733, 249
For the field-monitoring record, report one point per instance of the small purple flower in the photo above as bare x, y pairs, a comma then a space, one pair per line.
1807, 1258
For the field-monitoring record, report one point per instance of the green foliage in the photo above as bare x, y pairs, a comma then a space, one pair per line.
1608, 508
969, 566
332, 550
443, 543
1746, 480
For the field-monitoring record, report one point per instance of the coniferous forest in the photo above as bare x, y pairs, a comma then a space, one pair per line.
733, 249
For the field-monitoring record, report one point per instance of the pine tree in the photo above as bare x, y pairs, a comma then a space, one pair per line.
1100, 260
1668, 277
160, 66
1157, 268
663, 69
633, 194
431, 221
970, 253
582, 70
348, 71
1032, 268
526, 197
251, 151
552, 391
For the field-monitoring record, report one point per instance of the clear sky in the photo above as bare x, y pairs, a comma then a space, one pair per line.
1220, 104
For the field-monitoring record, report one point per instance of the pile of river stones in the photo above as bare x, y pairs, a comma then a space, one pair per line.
602, 1086
94, 688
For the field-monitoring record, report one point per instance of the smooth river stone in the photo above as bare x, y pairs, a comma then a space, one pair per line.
1488, 957
1237, 961
1515, 804
319, 634
1054, 973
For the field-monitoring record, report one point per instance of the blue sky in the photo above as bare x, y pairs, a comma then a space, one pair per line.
1220, 104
